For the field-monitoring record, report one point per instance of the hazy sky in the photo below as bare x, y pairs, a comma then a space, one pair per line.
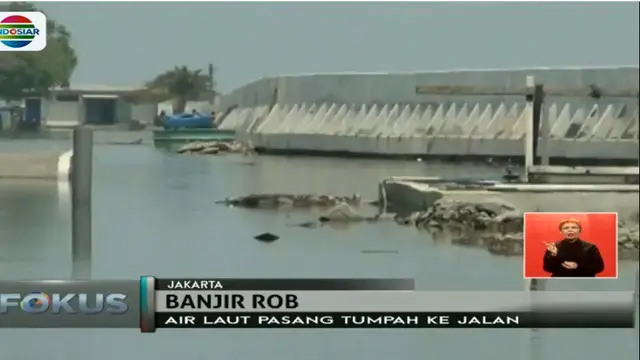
129, 43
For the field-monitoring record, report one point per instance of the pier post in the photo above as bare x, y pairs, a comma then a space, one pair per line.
529, 154
532, 285
81, 189
636, 301
541, 127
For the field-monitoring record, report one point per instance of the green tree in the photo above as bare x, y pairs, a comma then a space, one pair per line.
37, 72
183, 84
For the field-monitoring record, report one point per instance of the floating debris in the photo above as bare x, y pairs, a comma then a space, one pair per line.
266, 237
307, 225
275, 201
211, 147
379, 251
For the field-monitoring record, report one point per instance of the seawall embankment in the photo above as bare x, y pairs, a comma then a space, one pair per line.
465, 130
387, 115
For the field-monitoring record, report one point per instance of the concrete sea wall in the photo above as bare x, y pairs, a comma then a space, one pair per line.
460, 129
385, 114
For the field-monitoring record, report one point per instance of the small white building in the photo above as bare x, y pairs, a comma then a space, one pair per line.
96, 105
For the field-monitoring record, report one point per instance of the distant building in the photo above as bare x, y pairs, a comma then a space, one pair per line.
97, 105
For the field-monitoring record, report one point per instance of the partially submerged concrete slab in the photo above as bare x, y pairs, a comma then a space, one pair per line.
527, 197
46, 166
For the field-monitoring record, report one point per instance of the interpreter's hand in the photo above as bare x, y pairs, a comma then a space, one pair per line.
569, 265
551, 248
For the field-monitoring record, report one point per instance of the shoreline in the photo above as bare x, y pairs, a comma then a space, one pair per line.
444, 158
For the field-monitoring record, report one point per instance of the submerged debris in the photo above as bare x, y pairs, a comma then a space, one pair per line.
275, 201
494, 224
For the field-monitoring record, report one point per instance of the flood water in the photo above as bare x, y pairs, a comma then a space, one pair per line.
154, 214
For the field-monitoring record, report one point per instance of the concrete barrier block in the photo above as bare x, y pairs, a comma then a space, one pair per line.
379, 126
343, 121
575, 124
520, 126
294, 114
605, 123
369, 128
272, 120
232, 121
620, 123
560, 126
335, 123
631, 132
473, 123
489, 123
54, 166
449, 124
245, 117
369, 121
508, 124
261, 125
498, 121
308, 126
338, 123
353, 124
589, 123
242, 117
382, 115
298, 125
431, 120
436, 123
442, 130
320, 119
419, 116
551, 117
401, 122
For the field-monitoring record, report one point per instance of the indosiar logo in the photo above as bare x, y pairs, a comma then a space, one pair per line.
23, 31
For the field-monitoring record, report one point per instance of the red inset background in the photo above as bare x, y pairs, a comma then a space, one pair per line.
600, 229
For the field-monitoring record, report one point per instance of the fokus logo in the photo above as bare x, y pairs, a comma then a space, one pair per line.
23, 31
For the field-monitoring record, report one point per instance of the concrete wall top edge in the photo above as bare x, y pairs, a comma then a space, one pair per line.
461, 70
394, 88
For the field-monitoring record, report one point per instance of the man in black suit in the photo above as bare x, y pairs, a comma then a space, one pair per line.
572, 257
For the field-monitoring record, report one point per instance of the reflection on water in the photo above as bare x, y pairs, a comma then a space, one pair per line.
154, 214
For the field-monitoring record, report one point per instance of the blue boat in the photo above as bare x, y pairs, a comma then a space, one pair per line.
187, 121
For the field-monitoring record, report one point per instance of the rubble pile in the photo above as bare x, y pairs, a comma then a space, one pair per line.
495, 225
211, 148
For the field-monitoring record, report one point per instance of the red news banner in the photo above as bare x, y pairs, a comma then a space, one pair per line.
358, 303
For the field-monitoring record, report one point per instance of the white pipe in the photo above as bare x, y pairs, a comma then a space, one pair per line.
64, 166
